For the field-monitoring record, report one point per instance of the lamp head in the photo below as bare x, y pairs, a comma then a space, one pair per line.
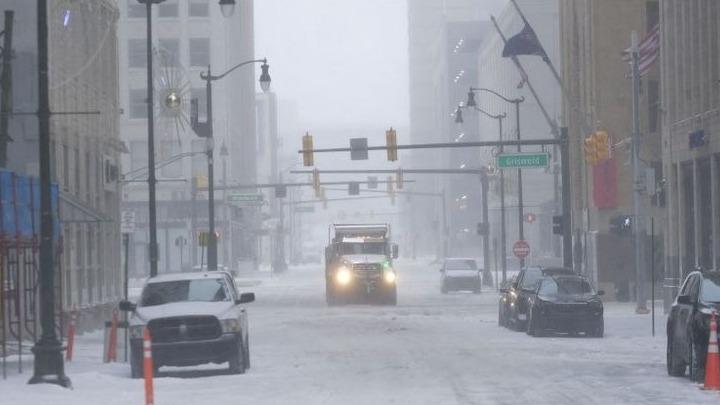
265, 77
227, 7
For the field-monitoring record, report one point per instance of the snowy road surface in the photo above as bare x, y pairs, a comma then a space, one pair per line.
430, 349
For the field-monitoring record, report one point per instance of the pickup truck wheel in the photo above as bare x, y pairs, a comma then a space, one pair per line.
236, 363
330, 297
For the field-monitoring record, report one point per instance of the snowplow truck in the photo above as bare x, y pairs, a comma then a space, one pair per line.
359, 264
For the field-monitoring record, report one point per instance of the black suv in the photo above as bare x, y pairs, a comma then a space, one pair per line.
514, 300
688, 324
565, 303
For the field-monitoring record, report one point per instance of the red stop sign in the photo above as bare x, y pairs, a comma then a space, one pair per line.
521, 249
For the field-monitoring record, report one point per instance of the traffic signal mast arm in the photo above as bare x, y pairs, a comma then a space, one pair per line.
306, 184
524, 142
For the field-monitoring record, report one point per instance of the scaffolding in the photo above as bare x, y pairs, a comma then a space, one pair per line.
19, 277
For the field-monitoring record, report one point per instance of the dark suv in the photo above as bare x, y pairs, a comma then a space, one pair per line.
514, 300
688, 324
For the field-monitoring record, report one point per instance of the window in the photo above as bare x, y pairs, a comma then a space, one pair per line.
137, 53
138, 104
170, 149
138, 155
653, 95
66, 167
198, 8
169, 52
199, 51
135, 9
652, 10
200, 94
199, 160
169, 9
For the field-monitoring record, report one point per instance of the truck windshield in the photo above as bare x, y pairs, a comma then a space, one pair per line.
207, 290
374, 248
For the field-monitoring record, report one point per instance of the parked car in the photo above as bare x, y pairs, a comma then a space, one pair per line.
688, 324
515, 298
193, 318
460, 274
565, 303
504, 304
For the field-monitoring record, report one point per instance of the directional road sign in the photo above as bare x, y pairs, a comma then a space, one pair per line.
522, 160
245, 199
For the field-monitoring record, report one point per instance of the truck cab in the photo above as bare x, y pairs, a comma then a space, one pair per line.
359, 264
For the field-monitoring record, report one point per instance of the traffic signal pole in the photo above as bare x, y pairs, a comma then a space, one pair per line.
639, 225
562, 142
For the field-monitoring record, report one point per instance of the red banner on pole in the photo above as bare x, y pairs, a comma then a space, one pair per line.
605, 184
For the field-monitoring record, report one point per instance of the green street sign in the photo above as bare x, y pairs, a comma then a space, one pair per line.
305, 209
237, 197
522, 160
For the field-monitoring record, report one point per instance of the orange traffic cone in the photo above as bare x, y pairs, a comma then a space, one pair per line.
71, 335
148, 367
712, 362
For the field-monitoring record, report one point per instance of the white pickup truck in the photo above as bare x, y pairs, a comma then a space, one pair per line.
193, 318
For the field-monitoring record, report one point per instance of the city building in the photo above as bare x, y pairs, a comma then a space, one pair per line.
85, 149
434, 29
689, 54
593, 36
540, 186
189, 37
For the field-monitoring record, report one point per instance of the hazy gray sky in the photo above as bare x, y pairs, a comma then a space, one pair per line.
343, 62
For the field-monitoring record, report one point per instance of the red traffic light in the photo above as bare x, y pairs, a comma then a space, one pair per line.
530, 217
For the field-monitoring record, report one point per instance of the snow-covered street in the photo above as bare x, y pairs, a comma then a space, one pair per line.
430, 349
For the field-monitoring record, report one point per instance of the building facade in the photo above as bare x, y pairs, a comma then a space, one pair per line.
540, 186
434, 29
690, 67
85, 141
189, 37
594, 33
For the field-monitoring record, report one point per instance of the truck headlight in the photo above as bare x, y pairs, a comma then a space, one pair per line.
136, 331
389, 276
230, 325
343, 276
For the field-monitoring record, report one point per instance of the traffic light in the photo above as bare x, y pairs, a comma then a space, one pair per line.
602, 145
201, 181
391, 141
558, 224
391, 190
316, 182
591, 151
621, 225
307, 142
399, 179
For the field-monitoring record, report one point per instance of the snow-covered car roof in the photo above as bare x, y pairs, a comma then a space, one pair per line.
460, 258
187, 276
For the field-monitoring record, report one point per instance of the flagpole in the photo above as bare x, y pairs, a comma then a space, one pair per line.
526, 78
546, 59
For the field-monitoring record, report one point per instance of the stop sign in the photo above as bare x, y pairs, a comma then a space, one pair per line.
521, 249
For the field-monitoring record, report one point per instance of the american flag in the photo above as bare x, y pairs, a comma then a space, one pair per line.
649, 50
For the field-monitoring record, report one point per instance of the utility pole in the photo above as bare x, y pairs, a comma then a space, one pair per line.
49, 366
6, 86
639, 225
521, 213
486, 226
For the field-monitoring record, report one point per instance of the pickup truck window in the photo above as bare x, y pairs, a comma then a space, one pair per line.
205, 290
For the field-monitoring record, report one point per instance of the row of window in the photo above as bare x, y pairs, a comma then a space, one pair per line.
169, 52
169, 9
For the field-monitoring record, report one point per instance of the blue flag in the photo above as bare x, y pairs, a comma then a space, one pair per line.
524, 43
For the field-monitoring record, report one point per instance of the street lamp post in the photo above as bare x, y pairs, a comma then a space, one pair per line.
48, 362
484, 179
516, 101
205, 130
227, 7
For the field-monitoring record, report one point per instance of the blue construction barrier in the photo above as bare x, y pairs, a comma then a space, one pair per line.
20, 207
